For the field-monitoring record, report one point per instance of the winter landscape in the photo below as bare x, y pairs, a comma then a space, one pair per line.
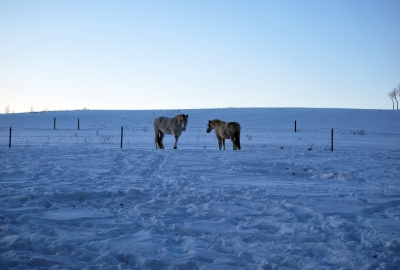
72, 198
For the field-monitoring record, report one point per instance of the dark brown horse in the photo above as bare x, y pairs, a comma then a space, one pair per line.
223, 130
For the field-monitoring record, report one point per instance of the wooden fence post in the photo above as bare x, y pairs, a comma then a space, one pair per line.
295, 126
79, 127
122, 134
9, 144
332, 140
54, 123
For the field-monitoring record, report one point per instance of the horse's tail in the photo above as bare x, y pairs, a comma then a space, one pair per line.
237, 138
157, 134
158, 139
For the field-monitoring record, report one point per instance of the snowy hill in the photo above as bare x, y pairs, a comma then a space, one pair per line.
73, 198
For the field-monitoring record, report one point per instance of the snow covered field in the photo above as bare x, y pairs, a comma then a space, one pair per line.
74, 199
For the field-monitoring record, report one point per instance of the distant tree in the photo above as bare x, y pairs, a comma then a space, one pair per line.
398, 91
395, 94
390, 94
7, 109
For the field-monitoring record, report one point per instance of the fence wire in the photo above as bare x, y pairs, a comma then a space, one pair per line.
195, 137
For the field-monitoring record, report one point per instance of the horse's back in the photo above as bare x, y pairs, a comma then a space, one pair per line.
227, 130
161, 119
233, 127
161, 123
167, 125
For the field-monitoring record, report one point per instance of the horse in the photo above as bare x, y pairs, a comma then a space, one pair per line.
223, 130
165, 125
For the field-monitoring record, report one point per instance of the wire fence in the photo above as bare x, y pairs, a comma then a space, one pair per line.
195, 137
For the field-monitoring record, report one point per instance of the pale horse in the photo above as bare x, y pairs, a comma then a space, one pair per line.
173, 126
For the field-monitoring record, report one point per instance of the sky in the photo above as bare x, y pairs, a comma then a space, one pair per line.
135, 55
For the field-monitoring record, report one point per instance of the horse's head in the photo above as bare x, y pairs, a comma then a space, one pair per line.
209, 126
183, 119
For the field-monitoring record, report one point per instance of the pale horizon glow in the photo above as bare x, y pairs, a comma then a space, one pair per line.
136, 55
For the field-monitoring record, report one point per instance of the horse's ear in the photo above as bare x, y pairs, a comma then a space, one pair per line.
187, 115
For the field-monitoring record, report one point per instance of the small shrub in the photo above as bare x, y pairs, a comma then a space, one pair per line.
106, 138
328, 147
358, 132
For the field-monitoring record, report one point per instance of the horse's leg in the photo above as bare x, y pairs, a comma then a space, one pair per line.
234, 143
156, 139
223, 142
220, 142
176, 141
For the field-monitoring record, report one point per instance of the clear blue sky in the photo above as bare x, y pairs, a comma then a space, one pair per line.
65, 55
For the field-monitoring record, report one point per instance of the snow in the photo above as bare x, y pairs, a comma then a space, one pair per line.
74, 199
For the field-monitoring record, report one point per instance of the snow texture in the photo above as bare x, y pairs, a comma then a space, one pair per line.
74, 199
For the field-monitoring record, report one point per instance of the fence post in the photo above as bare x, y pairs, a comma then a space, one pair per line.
295, 126
79, 125
54, 123
332, 140
122, 134
9, 144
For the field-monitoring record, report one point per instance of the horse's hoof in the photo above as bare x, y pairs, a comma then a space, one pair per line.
175, 147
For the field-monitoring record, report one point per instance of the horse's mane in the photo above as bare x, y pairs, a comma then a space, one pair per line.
217, 121
179, 117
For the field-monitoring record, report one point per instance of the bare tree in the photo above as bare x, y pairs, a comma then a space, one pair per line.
397, 91
7, 109
390, 94
394, 91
